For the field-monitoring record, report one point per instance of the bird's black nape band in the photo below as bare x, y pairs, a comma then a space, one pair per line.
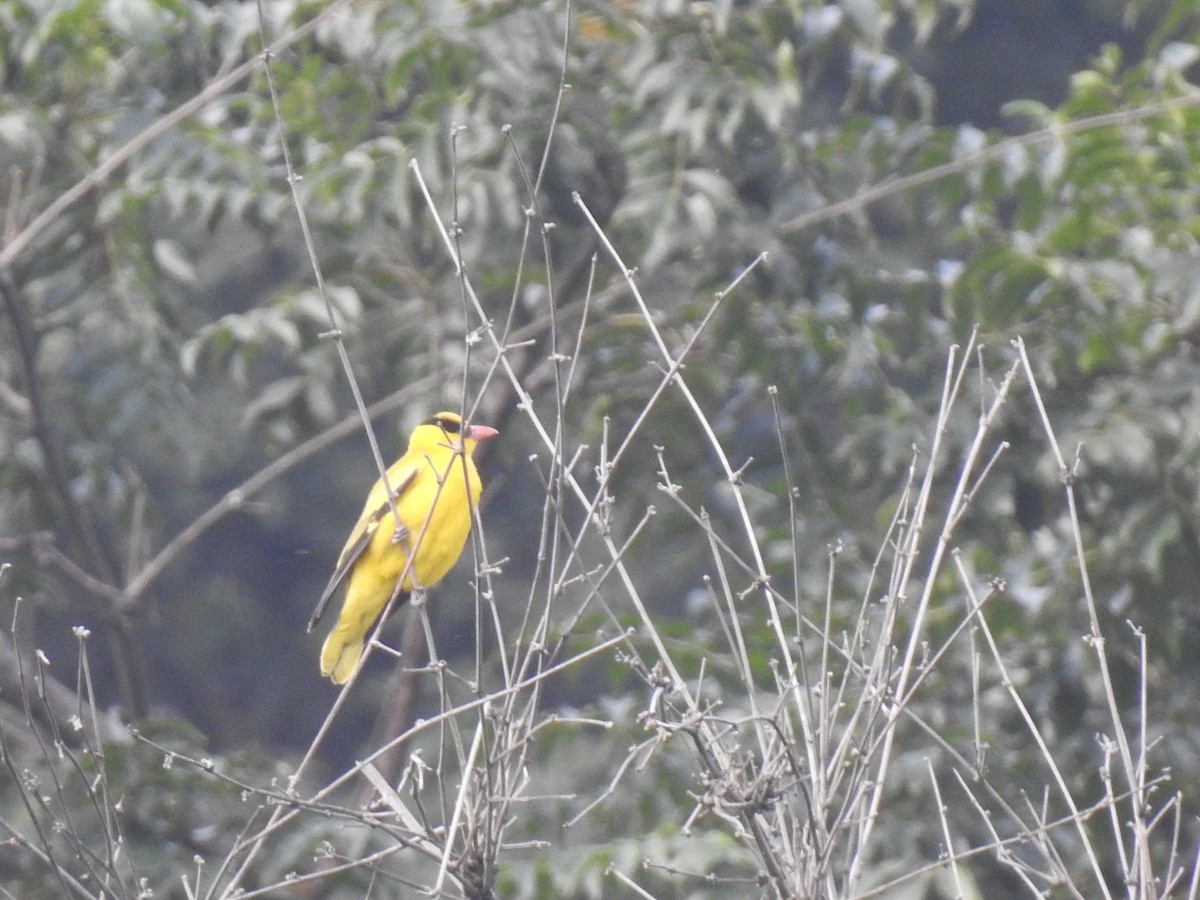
450, 426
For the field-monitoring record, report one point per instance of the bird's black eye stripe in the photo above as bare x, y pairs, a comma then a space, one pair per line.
447, 425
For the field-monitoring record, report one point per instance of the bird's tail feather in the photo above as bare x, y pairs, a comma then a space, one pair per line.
340, 655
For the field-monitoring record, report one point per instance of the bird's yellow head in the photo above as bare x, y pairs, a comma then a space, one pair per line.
446, 429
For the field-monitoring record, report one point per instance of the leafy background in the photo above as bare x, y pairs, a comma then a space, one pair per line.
163, 334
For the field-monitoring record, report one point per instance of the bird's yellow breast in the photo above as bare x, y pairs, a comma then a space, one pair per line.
435, 512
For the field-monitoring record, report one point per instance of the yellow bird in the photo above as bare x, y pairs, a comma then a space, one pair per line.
436, 486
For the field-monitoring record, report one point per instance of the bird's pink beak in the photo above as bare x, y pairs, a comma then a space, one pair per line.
481, 432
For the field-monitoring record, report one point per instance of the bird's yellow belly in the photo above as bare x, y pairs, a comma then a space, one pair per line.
436, 545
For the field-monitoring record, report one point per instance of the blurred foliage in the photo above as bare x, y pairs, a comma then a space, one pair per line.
134, 819
162, 337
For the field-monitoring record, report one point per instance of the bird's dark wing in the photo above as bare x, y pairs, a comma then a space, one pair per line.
359, 539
